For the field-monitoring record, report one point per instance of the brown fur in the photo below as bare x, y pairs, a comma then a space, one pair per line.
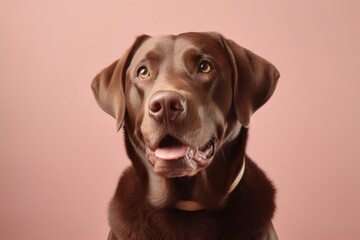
218, 104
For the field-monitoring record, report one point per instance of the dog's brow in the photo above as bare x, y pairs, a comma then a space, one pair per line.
153, 56
192, 53
197, 54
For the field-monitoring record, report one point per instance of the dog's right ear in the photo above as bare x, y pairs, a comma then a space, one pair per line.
108, 85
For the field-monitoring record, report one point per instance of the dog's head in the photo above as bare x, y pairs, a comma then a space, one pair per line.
182, 97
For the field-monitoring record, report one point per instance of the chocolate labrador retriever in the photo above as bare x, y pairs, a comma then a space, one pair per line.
185, 104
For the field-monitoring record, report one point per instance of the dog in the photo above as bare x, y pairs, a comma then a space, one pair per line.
185, 102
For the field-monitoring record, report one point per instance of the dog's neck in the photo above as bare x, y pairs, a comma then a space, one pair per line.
191, 205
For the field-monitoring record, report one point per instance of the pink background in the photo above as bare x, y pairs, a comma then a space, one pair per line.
61, 156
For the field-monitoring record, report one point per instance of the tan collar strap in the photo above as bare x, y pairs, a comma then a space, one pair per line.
188, 205
238, 178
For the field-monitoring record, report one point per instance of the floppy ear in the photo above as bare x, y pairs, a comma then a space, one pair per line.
108, 85
255, 80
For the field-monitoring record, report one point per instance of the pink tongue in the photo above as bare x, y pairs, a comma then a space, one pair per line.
171, 153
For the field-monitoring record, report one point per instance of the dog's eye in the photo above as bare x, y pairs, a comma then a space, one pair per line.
205, 67
143, 72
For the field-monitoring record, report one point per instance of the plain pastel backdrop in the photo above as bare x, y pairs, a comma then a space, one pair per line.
60, 156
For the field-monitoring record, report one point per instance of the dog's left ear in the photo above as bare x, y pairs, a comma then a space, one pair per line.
254, 79
108, 85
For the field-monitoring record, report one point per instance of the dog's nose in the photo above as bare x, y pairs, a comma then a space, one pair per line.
166, 106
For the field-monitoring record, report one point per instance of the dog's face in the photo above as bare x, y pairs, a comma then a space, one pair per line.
178, 99
182, 97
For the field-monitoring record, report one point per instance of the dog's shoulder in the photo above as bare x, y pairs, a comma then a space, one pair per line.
251, 206
126, 207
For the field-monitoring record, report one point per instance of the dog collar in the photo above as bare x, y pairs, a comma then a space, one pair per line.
238, 178
188, 205
191, 206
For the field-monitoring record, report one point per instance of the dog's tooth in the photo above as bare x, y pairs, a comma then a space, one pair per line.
190, 162
190, 153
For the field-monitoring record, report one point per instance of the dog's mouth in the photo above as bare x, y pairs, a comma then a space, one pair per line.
173, 158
